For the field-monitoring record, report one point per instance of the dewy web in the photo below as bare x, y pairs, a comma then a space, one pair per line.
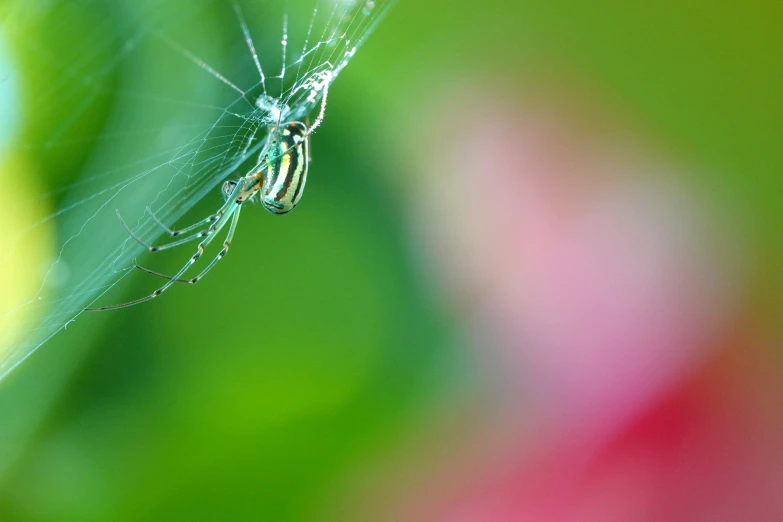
253, 145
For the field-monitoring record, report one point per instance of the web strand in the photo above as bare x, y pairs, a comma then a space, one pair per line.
249, 41
201, 63
163, 146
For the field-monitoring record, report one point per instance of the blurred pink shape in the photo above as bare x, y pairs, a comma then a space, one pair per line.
594, 271
709, 451
596, 287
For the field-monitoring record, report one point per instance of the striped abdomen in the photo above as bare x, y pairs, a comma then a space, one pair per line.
286, 173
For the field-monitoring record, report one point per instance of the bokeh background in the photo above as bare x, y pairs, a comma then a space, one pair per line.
536, 276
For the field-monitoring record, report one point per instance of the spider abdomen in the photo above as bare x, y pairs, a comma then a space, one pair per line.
286, 172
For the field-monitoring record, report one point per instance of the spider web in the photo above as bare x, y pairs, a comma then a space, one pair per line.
209, 99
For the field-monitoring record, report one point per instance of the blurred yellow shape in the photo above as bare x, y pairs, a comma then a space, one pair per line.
27, 245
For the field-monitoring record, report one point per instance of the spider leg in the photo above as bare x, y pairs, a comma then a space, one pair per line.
174, 233
211, 233
221, 255
161, 247
158, 274
320, 118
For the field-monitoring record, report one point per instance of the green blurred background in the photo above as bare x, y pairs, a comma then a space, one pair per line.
256, 396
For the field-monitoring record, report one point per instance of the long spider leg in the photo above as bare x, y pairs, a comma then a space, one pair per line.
322, 111
209, 219
162, 276
221, 254
174, 233
161, 247
213, 230
318, 120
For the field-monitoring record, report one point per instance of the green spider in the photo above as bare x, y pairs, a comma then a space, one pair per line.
279, 184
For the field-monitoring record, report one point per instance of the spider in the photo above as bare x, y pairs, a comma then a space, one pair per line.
279, 182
